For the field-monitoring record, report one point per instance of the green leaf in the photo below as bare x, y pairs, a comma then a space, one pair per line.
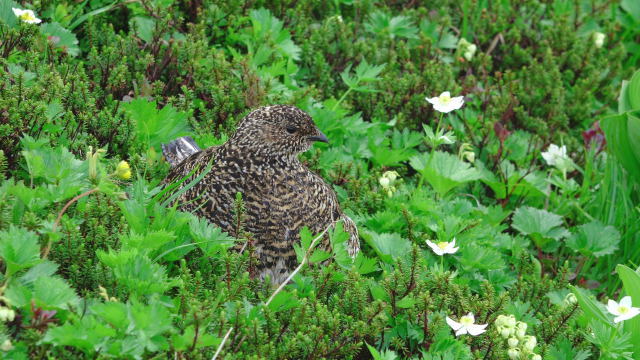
631, 283
284, 300
563, 350
590, 307
385, 355
210, 238
19, 249
184, 341
143, 27
6, 13
148, 322
61, 38
444, 171
623, 140
381, 23
56, 165
53, 292
540, 224
87, 334
387, 246
632, 7
137, 272
633, 91
594, 239
155, 127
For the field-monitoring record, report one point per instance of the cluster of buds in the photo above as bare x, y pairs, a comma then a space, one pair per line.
92, 159
6, 345
6, 313
598, 39
387, 182
467, 49
521, 345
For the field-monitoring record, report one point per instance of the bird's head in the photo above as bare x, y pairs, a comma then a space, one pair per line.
278, 129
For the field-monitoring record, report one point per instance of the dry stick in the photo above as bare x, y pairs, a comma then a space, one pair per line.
46, 250
282, 285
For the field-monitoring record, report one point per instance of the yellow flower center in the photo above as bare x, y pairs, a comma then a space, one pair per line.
27, 17
443, 245
445, 98
466, 321
623, 309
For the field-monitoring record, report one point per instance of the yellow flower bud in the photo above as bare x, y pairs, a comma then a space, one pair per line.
123, 171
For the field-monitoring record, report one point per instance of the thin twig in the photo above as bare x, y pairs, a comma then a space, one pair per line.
224, 339
302, 263
47, 248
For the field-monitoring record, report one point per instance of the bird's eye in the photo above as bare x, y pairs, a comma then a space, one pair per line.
291, 129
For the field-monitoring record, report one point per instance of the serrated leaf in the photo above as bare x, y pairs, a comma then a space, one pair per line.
444, 171
19, 249
538, 223
388, 246
60, 38
594, 239
53, 292
155, 127
563, 350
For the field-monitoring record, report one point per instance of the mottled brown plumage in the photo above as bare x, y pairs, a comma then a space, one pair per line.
280, 194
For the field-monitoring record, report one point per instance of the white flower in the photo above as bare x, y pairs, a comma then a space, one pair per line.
598, 39
471, 50
384, 182
443, 247
554, 154
391, 175
466, 325
26, 15
513, 342
467, 49
623, 310
557, 156
7, 314
536, 357
6, 345
445, 103
514, 353
530, 342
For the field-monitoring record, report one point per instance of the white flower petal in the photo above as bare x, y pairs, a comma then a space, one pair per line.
461, 331
612, 307
632, 313
457, 102
436, 249
626, 301
433, 100
451, 250
476, 330
453, 324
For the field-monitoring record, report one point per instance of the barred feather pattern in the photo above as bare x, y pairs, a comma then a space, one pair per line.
281, 195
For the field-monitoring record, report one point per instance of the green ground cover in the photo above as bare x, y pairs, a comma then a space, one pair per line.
535, 177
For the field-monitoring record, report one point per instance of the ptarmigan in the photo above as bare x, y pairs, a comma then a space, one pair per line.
281, 195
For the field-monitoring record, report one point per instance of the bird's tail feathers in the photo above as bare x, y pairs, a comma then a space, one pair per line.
179, 149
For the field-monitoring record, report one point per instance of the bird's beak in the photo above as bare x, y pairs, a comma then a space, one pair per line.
319, 137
